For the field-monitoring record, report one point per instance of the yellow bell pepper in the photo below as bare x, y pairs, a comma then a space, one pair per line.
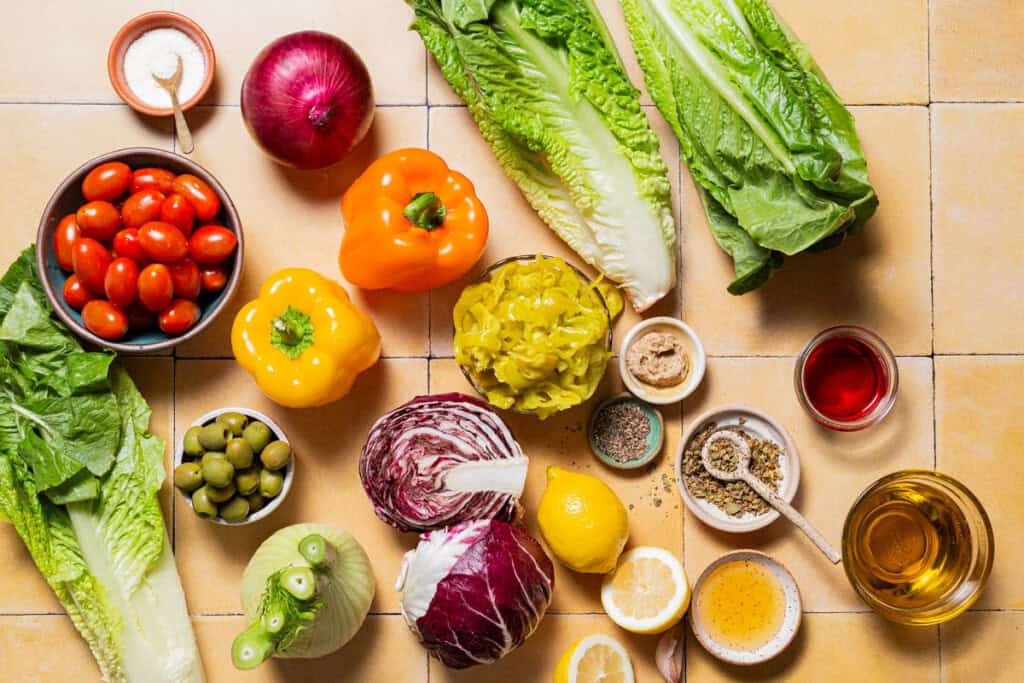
303, 339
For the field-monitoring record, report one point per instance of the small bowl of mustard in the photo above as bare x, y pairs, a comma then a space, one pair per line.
662, 360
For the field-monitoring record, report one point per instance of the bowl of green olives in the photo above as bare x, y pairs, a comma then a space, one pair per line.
234, 466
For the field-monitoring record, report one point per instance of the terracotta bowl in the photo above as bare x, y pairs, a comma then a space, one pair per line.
67, 198
135, 28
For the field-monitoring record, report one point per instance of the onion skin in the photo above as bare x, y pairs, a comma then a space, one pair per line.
307, 100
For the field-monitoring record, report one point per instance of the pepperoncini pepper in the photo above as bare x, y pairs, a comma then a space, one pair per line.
411, 224
303, 339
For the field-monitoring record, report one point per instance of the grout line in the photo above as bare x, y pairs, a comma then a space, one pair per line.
174, 434
931, 269
720, 356
454, 105
928, 49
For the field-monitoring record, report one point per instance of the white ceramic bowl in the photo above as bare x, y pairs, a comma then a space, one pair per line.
790, 621
761, 426
694, 348
289, 472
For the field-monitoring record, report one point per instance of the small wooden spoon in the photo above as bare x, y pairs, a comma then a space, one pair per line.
742, 473
171, 86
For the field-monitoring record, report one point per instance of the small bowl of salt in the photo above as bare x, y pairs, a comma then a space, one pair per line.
151, 44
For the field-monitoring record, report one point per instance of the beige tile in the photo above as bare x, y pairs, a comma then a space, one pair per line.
383, 650
52, 53
394, 57
44, 649
880, 279
535, 661
975, 50
979, 251
982, 646
650, 496
977, 406
44, 143
439, 92
515, 226
839, 648
873, 51
293, 218
834, 467
327, 442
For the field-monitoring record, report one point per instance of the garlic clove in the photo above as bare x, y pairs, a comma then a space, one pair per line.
669, 655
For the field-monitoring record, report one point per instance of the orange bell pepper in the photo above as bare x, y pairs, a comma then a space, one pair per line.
411, 224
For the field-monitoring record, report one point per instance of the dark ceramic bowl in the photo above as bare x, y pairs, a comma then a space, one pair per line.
68, 197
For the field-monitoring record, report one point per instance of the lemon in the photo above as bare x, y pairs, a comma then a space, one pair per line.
648, 591
595, 659
583, 521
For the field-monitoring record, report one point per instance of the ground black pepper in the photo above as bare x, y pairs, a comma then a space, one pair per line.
621, 431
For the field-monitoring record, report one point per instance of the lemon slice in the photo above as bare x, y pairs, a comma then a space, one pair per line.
595, 659
648, 591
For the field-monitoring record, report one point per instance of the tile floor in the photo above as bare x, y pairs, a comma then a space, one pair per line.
938, 89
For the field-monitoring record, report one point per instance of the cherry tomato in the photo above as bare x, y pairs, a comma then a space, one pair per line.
142, 207
178, 212
152, 179
75, 293
163, 242
126, 243
156, 288
202, 197
211, 244
122, 281
107, 181
213, 278
64, 238
104, 319
179, 316
185, 276
91, 260
140, 318
99, 220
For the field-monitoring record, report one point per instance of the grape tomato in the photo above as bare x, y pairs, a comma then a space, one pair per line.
142, 207
99, 220
107, 181
186, 279
213, 278
91, 260
178, 211
159, 179
104, 319
126, 243
179, 317
156, 288
121, 282
163, 242
64, 239
202, 197
212, 244
75, 294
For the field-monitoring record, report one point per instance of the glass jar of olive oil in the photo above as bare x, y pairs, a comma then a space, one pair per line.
918, 547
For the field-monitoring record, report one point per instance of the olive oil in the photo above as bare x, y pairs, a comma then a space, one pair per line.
741, 605
910, 545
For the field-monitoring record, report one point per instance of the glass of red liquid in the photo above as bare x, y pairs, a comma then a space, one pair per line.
846, 378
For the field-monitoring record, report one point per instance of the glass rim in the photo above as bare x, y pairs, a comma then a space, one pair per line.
879, 347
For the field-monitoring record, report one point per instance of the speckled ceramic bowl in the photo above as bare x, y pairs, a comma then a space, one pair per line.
790, 620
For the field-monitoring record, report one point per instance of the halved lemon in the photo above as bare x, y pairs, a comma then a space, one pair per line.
648, 591
595, 659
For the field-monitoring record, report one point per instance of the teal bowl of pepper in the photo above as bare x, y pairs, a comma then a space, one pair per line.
625, 433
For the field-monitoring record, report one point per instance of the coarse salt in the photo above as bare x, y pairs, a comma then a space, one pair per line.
157, 52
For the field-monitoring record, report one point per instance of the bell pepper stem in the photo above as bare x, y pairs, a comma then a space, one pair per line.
426, 210
289, 331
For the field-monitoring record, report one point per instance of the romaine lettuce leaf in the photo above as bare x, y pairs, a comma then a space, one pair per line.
545, 85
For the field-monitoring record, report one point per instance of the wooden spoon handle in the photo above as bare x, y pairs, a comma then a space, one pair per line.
181, 127
790, 513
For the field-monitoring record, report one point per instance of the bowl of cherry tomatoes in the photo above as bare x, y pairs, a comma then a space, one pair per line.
139, 249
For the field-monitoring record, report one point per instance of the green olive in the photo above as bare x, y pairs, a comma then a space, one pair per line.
276, 455
201, 503
256, 502
239, 453
247, 481
221, 494
235, 510
217, 471
233, 421
270, 483
188, 476
192, 446
258, 435
214, 436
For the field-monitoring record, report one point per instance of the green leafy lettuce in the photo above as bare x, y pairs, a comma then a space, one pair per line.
79, 476
768, 141
546, 86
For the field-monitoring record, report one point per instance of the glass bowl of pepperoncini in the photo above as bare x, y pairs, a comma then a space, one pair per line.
918, 547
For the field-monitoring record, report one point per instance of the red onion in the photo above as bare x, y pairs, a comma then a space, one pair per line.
307, 99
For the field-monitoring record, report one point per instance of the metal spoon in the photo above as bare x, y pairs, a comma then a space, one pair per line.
171, 86
742, 473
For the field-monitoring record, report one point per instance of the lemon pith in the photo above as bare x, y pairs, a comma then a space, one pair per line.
648, 592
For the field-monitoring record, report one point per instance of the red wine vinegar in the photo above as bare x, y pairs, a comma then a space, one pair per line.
844, 379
